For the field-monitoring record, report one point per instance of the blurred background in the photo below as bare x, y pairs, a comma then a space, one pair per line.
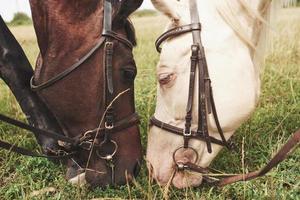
9, 7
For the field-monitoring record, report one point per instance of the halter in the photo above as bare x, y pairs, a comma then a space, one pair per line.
206, 106
71, 146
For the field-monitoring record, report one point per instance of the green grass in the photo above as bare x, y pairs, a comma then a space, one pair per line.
276, 118
145, 13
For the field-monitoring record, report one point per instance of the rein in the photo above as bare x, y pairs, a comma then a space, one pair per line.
281, 155
206, 105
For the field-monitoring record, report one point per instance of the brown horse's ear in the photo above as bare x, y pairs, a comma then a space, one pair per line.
128, 7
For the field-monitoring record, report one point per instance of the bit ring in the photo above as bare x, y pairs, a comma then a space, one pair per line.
181, 164
108, 156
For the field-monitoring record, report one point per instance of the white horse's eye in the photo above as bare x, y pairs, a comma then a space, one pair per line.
166, 78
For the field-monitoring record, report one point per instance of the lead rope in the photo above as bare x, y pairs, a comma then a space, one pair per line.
227, 179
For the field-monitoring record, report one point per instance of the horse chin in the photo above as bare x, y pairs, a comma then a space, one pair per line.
186, 180
74, 175
78, 180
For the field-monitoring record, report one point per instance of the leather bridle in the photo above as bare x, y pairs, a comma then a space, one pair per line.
206, 105
85, 141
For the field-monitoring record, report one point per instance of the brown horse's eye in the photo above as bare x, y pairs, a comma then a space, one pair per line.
128, 74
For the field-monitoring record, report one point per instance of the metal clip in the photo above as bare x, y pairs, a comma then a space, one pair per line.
61, 153
187, 133
86, 145
109, 47
181, 166
86, 135
195, 48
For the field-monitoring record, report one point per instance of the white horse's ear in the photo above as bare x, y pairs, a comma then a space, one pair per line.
168, 8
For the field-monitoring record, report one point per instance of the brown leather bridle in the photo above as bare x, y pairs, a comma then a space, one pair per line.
206, 105
85, 141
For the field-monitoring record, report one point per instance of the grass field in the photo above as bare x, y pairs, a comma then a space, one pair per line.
276, 118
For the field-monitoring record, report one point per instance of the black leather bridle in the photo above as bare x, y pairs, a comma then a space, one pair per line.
85, 141
206, 105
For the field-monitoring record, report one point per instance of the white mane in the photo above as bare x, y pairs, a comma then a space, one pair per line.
259, 15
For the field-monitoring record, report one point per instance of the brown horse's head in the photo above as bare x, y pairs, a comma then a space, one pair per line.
66, 31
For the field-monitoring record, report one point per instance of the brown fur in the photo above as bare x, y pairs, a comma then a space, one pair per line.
66, 30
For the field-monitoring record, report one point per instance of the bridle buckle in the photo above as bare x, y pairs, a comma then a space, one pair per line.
86, 141
187, 133
86, 135
109, 127
86, 145
61, 153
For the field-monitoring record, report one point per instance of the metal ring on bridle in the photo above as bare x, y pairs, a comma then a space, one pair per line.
180, 163
86, 135
107, 156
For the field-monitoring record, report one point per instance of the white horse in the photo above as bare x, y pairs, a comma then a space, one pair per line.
234, 38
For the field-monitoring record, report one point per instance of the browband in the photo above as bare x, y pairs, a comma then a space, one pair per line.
176, 32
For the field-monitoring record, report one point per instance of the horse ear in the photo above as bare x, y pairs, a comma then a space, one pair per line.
128, 7
168, 8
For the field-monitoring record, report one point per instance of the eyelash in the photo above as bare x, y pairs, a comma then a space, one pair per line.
165, 78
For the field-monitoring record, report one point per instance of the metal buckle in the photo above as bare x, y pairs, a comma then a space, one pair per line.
195, 48
187, 133
86, 135
181, 166
86, 145
109, 127
61, 153
86, 141
109, 44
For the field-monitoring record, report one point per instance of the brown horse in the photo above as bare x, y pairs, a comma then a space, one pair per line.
99, 90
66, 30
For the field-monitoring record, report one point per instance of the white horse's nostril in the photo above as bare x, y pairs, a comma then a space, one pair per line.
162, 181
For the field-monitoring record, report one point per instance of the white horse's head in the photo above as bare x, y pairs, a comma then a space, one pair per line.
232, 35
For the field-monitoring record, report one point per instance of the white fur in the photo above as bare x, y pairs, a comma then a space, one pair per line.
78, 180
232, 34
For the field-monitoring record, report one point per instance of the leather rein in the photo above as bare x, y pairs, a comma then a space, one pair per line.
206, 106
69, 147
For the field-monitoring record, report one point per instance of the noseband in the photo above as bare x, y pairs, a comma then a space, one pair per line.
206, 106
71, 146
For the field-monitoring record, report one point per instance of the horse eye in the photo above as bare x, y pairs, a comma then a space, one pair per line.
129, 74
165, 78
